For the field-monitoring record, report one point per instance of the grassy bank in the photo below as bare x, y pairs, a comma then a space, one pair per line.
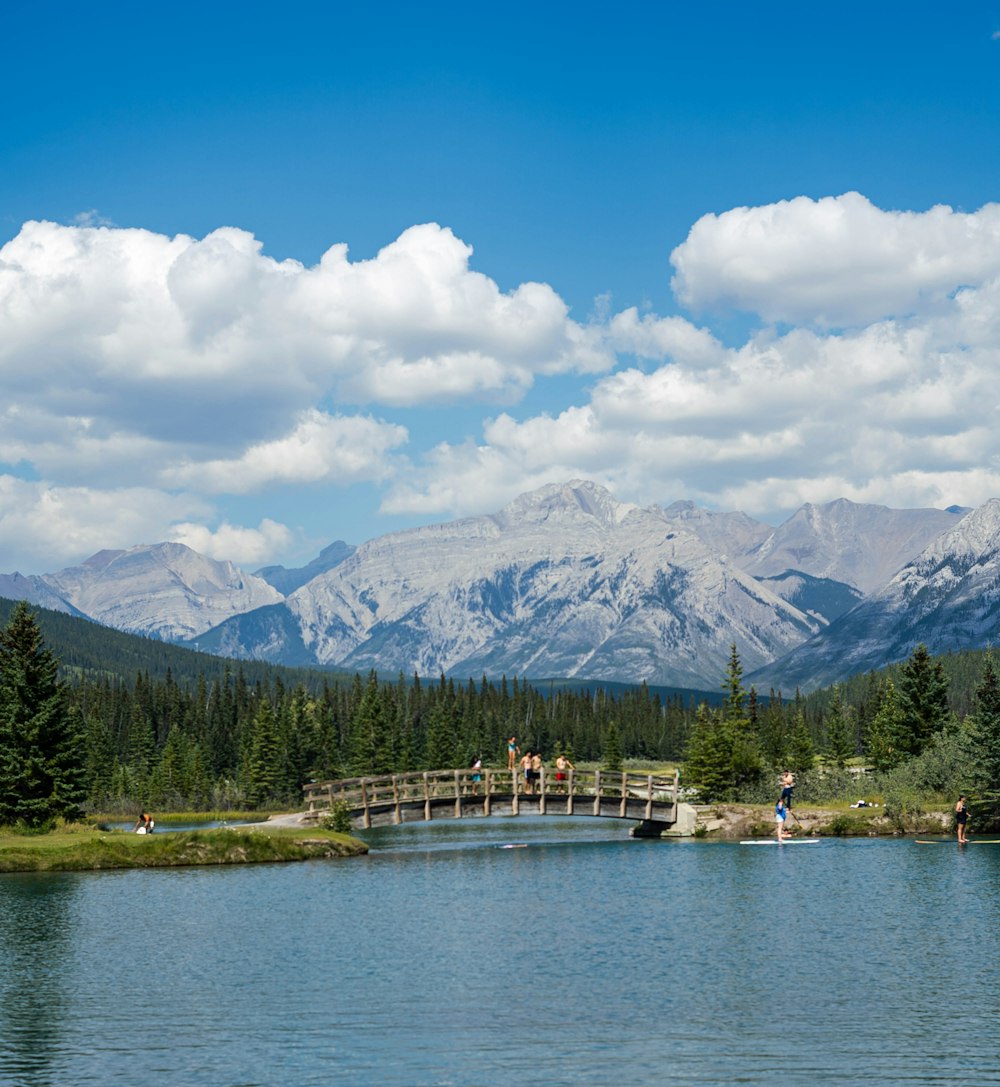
82, 848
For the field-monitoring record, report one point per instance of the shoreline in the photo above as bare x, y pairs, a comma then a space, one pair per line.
726, 821
282, 839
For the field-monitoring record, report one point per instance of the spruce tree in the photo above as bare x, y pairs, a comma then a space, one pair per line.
612, 754
881, 743
839, 740
986, 732
923, 701
42, 744
263, 771
707, 763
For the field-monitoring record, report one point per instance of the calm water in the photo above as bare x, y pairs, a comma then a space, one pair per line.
441, 959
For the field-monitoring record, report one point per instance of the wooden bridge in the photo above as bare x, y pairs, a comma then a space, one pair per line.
647, 799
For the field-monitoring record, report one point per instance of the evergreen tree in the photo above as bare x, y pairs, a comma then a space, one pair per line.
745, 762
707, 765
263, 772
42, 744
923, 701
839, 735
801, 752
986, 732
612, 754
882, 741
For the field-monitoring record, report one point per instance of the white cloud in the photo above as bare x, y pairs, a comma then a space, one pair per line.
899, 412
248, 547
320, 448
142, 374
835, 262
66, 524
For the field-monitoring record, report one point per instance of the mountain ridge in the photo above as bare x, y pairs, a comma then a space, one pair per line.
564, 580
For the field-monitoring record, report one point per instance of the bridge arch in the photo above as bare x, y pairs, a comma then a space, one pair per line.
394, 799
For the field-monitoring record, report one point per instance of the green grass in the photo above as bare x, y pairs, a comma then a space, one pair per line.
81, 848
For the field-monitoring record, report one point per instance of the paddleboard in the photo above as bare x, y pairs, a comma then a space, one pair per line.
787, 841
952, 841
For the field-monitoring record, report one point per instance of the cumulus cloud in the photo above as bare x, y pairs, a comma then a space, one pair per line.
66, 524
835, 262
147, 378
249, 547
320, 448
902, 412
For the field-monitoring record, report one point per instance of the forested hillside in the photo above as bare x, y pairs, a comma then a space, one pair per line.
172, 728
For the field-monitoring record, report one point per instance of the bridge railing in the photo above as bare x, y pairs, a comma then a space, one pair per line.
363, 794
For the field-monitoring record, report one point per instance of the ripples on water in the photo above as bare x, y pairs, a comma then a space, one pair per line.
581, 957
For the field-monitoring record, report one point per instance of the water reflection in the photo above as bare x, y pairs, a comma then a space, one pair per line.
36, 922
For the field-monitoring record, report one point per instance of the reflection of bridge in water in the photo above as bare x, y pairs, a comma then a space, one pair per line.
393, 799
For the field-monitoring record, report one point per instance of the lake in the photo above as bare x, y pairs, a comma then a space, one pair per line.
579, 956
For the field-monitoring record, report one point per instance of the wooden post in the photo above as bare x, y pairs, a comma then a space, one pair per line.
541, 795
597, 792
427, 798
488, 786
569, 795
649, 797
458, 795
397, 814
366, 821
623, 809
515, 810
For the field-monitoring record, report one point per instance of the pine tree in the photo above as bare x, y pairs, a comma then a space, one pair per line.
746, 764
612, 754
801, 752
707, 764
839, 739
881, 744
923, 701
263, 774
42, 744
986, 731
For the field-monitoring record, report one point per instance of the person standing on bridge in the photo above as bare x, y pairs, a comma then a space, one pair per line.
536, 771
512, 752
526, 771
477, 773
562, 765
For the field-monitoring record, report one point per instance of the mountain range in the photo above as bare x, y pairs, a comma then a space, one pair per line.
568, 582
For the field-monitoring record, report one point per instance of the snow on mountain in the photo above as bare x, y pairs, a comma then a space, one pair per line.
565, 581
861, 545
948, 597
166, 590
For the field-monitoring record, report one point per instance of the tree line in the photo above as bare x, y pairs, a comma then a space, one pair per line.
239, 737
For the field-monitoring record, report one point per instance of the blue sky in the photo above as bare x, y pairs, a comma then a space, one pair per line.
746, 255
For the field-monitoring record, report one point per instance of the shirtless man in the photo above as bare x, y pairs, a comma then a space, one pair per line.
536, 771
526, 771
562, 766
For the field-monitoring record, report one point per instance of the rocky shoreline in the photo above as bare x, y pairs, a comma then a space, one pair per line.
756, 821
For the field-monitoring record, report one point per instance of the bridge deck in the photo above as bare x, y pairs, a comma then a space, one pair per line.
394, 799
